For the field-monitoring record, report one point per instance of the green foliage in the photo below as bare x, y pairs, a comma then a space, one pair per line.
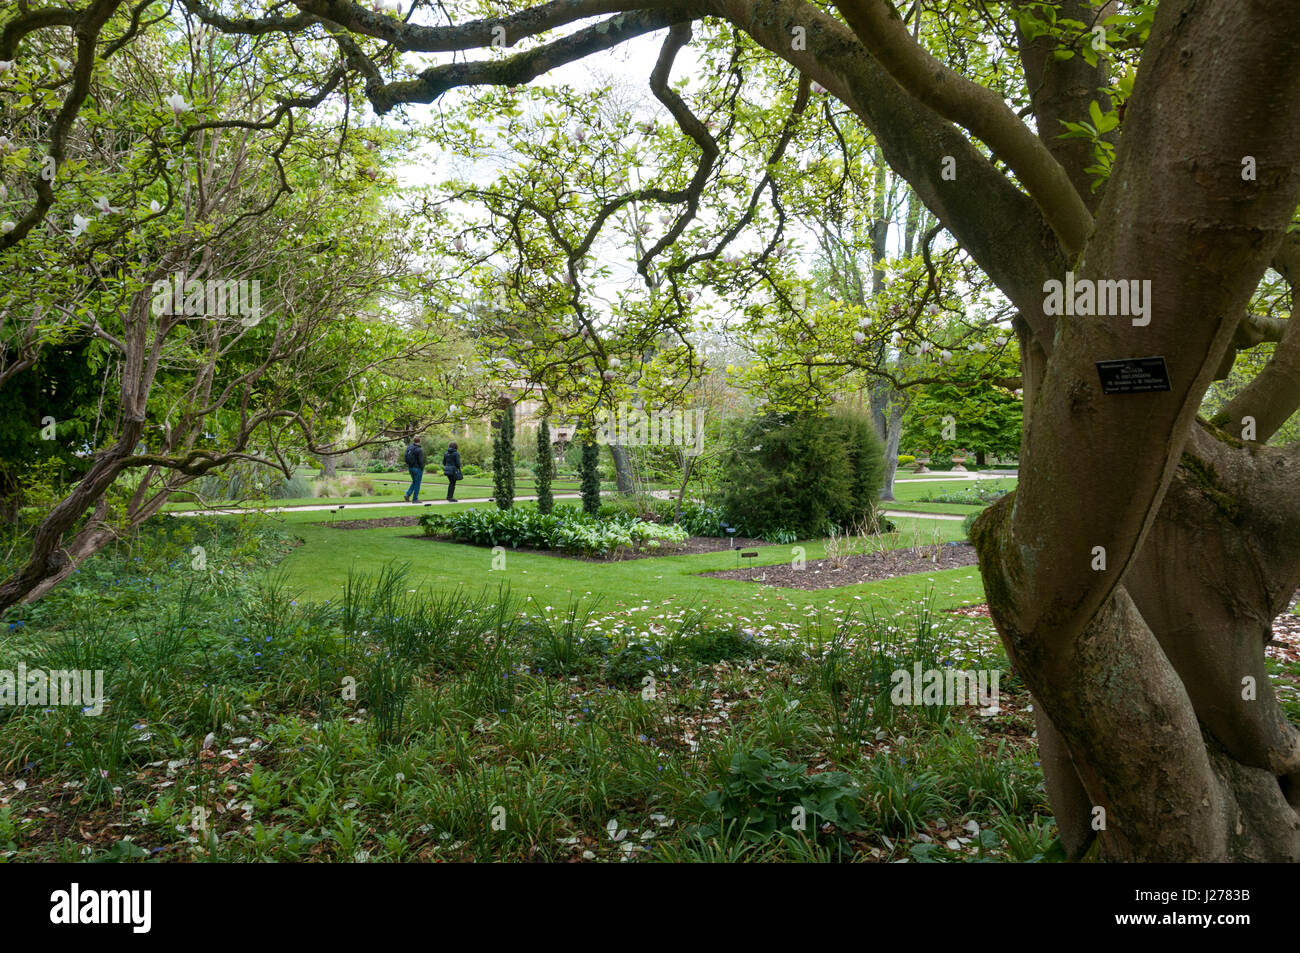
544, 469
800, 474
503, 459
977, 493
767, 796
699, 519
982, 418
709, 646
378, 466
565, 528
52, 399
968, 522
590, 478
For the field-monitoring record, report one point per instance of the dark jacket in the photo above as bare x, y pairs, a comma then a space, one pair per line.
451, 459
415, 456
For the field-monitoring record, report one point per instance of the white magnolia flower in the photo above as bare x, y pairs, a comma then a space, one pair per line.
61, 64
608, 375
177, 104
6, 145
102, 206
978, 348
614, 362
452, 409
155, 206
459, 244
7, 227
945, 356
689, 297
859, 337
6, 66
4, 191
999, 341
819, 89
924, 347
79, 225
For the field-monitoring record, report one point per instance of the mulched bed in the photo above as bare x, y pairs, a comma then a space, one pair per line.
868, 567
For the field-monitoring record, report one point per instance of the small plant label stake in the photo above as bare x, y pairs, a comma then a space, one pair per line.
752, 554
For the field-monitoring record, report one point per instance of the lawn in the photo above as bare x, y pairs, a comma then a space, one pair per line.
320, 567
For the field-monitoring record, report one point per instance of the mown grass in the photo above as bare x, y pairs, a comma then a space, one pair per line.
322, 564
409, 721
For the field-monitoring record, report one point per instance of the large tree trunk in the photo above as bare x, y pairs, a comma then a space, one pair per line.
887, 415
622, 468
1171, 673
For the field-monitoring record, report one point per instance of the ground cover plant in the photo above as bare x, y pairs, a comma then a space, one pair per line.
243, 722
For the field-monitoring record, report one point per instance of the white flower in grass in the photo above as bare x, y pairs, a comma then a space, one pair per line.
79, 225
176, 102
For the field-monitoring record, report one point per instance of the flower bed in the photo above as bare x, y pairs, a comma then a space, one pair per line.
567, 529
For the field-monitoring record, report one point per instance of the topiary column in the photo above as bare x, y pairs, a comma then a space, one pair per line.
590, 476
545, 468
503, 458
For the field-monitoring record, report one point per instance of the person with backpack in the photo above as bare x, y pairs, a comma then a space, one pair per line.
415, 464
451, 468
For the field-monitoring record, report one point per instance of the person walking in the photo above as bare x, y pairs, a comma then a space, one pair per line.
415, 464
451, 468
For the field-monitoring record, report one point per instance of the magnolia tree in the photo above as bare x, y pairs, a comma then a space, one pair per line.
228, 318
1125, 174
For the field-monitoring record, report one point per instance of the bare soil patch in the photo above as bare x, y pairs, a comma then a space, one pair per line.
866, 567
